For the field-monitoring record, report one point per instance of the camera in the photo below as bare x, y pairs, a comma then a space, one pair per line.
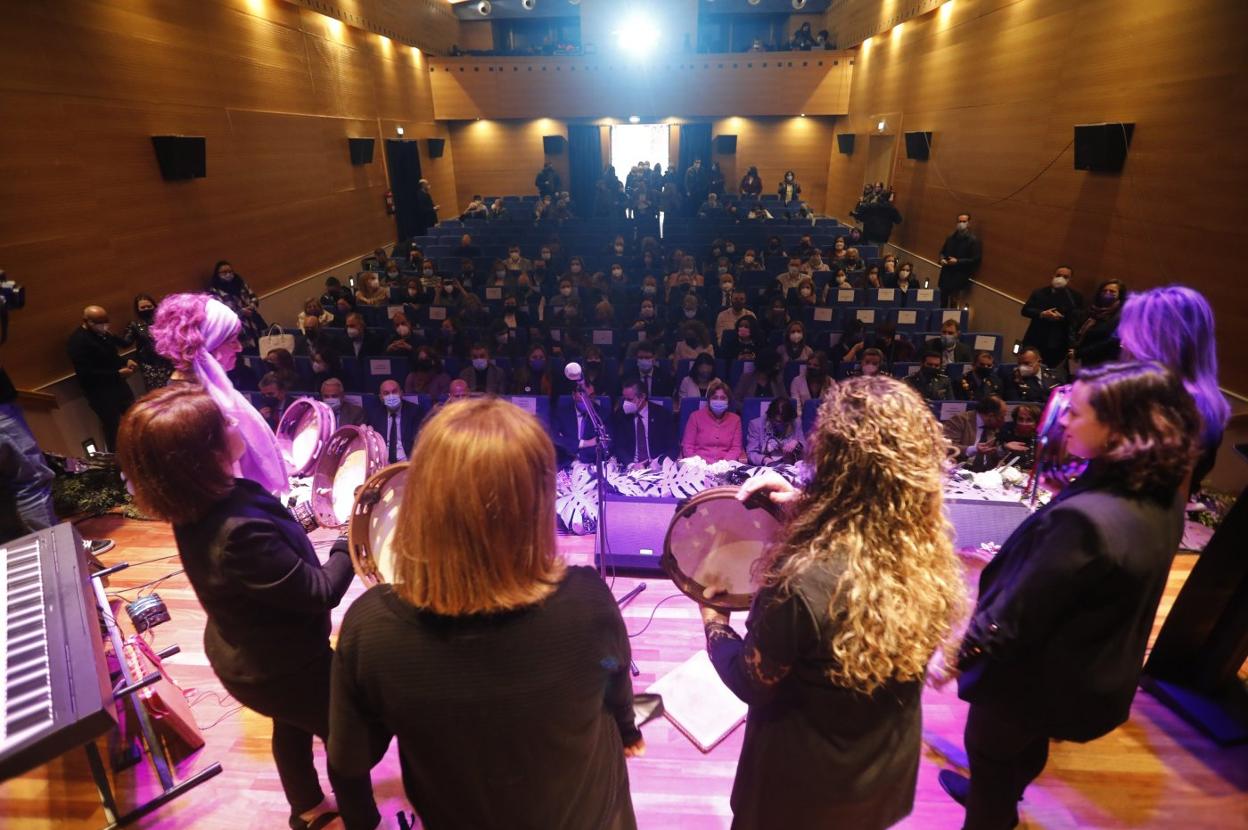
12, 296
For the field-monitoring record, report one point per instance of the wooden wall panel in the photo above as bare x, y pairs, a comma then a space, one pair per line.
275, 89
1001, 86
775, 84
775, 145
502, 158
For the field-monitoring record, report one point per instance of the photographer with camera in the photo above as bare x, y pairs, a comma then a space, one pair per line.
877, 213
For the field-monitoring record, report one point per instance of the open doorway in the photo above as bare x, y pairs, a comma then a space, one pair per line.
880, 152
635, 143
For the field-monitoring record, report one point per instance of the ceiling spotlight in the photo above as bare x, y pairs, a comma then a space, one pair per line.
528, 4
484, 7
634, 119
399, 130
880, 126
798, 5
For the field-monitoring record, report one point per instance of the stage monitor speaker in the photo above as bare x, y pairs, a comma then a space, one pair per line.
181, 156
553, 144
918, 145
845, 143
436, 147
1102, 147
726, 145
361, 150
976, 521
636, 528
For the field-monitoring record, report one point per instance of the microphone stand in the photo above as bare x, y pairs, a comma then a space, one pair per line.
603, 438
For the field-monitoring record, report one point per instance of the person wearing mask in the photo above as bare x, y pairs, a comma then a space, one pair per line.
265, 594
376, 261
154, 368
812, 384
477, 209
402, 340
274, 398
498, 211
312, 309
775, 437
515, 263
361, 342
750, 261
391, 274
751, 183
396, 422
975, 433
645, 315
575, 436
694, 341
533, 376
789, 191
282, 363
878, 216
482, 376
1018, 437
316, 337
816, 263
1173, 325
684, 279
229, 287
747, 345
713, 433
790, 279
959, 258
1096, 337
834, 685
853, 261
1031, 380
1052, 309
102, 372
931, 381
727, 319
727, 283
870, 365
642, 432
951, 349
983, 380
697, 183
426, 376
595, 372
688, 309
715, 180
652, 374
905, 279
547, 181
795, 347
426, 213
1055, 644
712, 208
346, 413
763, 380
325, 365
698, 381
807, 296
871, 280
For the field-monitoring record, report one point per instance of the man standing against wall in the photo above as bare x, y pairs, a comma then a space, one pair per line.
101, 371
959, 260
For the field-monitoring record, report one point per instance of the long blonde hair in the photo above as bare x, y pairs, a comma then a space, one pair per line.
477, 532
874, 509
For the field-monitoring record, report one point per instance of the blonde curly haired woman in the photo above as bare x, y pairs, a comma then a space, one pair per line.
859, 592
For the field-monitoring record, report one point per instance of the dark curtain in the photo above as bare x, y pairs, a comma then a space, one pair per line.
411, 216
584, 165
695, 143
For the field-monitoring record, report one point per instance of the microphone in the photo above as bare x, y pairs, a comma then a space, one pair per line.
573, 373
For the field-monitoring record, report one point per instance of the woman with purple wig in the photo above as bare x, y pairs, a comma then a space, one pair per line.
1173, 326
199, 335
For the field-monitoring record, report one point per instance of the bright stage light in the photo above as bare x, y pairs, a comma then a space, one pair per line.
637, 34
634, 119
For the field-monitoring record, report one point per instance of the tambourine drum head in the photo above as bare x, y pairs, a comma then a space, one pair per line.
714, 541
302, 433
374, 523
350, 457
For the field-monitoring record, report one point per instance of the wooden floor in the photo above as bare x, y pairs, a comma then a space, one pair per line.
1153, 772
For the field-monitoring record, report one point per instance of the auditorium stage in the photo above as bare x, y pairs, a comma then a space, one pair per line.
1153, 772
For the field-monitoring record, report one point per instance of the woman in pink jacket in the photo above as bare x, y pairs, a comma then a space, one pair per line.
714, 433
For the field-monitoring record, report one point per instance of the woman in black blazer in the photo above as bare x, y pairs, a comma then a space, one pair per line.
1055, 646
266, 595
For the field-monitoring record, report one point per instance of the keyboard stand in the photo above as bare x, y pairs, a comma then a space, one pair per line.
155, 749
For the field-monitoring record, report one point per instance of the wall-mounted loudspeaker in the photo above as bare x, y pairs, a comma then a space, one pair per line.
361, 150
436, 147
726, 144
918, 145
181, 156
1102, 147
553, 144
845, 143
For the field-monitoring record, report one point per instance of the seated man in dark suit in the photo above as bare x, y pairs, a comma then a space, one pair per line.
950, 348
575, 437
397, 421
983, 380
1031, 380
974, 433
360, 341
345, 412
641, 432
653, 377
482, 376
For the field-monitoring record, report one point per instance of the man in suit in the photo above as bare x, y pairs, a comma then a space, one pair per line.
974, 432
482, 376
101, 371
1031, 380
951, 349
959, 260
641, 431
397, 421
575, 437
360, 341
654, 379
1052, 310
345, 412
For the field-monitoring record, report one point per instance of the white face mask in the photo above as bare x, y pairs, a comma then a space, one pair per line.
391, 401
963, 225
403, 331
1028, 370
567, 292
333, 403
479, 363
1060, 282
354, 333
795, 337
629, 407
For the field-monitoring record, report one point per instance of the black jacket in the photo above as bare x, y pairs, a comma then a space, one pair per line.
660, 434
266, 594
409, 420
1065, 610
1051, 335
96, 363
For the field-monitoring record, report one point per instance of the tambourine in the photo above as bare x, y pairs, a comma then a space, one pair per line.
374, 520
302, 434
715, 540
1054, 466
350, 458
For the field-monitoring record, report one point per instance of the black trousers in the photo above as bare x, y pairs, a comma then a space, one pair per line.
1006, 755
299, 707
109, 408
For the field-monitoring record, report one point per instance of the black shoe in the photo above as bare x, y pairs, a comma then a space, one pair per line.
956, 785
97, 546
296, 823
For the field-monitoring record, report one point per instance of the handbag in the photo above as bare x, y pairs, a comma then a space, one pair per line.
279, 340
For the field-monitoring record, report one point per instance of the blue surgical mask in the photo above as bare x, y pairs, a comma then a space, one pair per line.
537, 364
645, 364
333, 403
391, 401
948, 340
719, 407
479, 363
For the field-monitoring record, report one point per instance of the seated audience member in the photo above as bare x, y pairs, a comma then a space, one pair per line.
775, 436
974, 433
748, 345
402, 341
653, 376
795, 347
931, 381
473, 313
727, 319
498, 211
678, 282
515, 263
1052, 309
515, 314
839, 250
375, 261
595, 372
645, 315
713, 433
807, 296
346, 413
391, 274
426, 376
816, 263
723, 299
701, 375
812, 384
449, 291
711, 208
763, 379
604, 314
312, 308
693, 340
686, 308
575, 436
750, 261
334, 289
467, 249
274, 398
983, 380
360, 341
905, 279
396, 422
317, 337
371, 291
533, 376
478, 750
853, 261
282, 363
505, 343
871, 280
1017, 438
895, 348
642, 432
325, 365
1031, 380
1096, 336
870, 363
482, 376
457, 391
839, 282
950, 348
792, 278
477, 209
498, 277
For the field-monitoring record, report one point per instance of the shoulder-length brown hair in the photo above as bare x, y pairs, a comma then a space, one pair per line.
173, 447
1154, 427
477, 533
